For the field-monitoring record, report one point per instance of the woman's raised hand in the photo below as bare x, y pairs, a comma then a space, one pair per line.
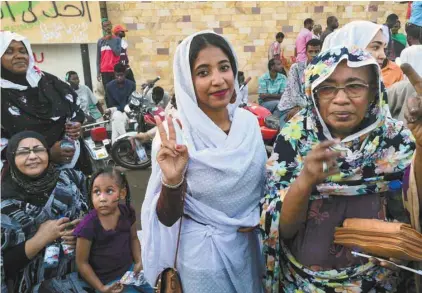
320, 163
413, 113
171, 157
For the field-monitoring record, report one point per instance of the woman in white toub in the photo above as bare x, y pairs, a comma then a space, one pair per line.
219, 159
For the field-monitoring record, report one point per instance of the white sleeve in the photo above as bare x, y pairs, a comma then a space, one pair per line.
91, 96
245, 94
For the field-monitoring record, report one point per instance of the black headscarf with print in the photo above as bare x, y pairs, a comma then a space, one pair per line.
43, 109
34, 190
44, 106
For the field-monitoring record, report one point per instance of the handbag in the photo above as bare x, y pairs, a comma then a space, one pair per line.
380, 238
168, 281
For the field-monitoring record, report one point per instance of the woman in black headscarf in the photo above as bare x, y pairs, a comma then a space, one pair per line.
40, 206
38, 101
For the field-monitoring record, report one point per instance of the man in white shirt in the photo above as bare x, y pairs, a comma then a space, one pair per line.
244, 92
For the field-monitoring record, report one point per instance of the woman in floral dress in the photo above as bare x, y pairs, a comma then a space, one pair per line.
341, 157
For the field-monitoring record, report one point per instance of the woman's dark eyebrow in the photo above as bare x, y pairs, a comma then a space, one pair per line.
350, 79
377, 43
206, 65
201, 66
27, 148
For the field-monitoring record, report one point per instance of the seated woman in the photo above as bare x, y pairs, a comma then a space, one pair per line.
35, 100
40, 205
333, 160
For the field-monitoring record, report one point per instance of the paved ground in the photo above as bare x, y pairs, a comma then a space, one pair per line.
138, 181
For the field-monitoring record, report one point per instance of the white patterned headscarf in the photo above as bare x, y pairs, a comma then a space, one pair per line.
356, 33
33, 75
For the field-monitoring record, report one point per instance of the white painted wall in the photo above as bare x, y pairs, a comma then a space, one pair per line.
59, 59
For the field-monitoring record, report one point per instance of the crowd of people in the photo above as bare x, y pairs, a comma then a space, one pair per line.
217, 210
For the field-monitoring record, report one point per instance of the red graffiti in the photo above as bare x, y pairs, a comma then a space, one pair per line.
42, 57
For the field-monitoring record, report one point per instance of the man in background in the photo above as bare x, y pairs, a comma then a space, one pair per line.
332, 25
120, 32
272, 85
88, 101
399, 39
244, 92
158, 97
294, 98
414, 26
304, 36
413, 34
387, 27
119, 91
275, 50
316, 32
108, 55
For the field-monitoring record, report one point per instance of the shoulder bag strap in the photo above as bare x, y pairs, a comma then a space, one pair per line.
180, 223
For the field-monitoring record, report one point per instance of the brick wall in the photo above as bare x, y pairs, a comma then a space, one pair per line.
155, 28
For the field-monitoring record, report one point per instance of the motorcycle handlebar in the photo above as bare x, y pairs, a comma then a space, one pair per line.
94, 124
150, 83
155, 80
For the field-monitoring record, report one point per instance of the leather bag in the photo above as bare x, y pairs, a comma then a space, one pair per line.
380, 238
168, 281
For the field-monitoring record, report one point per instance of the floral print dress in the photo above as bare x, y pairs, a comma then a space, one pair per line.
375, 158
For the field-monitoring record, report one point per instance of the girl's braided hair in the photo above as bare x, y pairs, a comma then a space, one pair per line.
119, 177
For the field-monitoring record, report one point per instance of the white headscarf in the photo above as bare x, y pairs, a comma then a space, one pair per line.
225, 179
356, 33
33, 75
413, 56
187, 104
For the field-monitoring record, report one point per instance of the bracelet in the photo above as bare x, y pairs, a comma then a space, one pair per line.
173, 186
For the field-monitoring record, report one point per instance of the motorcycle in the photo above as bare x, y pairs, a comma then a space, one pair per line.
98, 144
268, 123
126, 150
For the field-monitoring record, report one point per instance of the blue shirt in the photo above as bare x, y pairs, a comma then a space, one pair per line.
416, 13
118, 95
271, 86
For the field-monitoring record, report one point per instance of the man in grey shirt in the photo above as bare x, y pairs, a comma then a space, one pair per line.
158, 97
86, 98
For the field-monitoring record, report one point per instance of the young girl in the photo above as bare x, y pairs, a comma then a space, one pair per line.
107, 243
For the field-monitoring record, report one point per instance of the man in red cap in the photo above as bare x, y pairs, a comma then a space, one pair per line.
108, 55
120, 32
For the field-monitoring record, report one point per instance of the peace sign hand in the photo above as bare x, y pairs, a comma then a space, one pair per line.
413, 112
172, 158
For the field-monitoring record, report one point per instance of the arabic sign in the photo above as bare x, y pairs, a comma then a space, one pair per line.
53, 22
